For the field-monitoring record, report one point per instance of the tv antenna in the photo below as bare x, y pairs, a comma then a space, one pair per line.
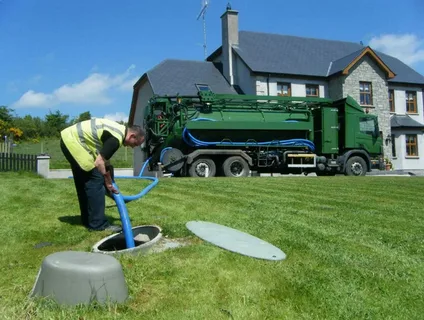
202, 13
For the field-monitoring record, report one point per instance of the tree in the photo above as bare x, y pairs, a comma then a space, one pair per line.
32, 127
6, 114
4, 129
6, 123
84, 116
16, 133
55, 122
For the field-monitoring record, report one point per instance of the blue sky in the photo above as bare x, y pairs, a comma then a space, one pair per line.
85, 55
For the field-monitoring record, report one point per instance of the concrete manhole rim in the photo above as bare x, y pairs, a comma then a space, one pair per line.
95, 248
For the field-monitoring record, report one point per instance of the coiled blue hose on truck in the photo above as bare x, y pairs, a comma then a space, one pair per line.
190, 140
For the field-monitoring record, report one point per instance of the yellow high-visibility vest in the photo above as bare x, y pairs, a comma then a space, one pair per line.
84, 139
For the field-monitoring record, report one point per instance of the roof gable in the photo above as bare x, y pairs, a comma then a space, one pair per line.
344, 64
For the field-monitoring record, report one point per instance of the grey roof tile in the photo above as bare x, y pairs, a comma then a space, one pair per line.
274, 53
404, 121
292, 55
404, 73
172, 77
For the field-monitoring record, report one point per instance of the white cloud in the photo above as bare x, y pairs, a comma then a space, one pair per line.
33, 99
93, 90
118, 116
128, 85
406, 47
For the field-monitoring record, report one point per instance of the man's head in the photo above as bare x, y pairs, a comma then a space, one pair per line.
135, 137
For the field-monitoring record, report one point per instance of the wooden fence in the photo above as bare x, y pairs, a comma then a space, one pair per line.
5, 147
18, 162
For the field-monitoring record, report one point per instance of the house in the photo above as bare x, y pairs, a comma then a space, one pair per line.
273, 64
172, 77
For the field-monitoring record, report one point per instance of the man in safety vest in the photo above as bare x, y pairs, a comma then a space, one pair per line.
87, 146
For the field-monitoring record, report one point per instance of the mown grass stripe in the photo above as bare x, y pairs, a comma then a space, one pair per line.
354, 248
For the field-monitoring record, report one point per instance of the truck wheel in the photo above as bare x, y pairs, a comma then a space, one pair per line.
235, 167
356, 166
202, 167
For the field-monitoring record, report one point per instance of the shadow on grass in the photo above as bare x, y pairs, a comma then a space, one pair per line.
76, 220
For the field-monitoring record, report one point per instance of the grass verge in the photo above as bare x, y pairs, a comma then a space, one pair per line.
354, 248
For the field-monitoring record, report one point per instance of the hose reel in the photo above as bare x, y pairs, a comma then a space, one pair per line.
172, 159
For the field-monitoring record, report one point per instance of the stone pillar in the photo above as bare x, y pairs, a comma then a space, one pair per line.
43, 165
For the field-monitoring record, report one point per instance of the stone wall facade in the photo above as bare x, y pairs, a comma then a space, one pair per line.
367, 70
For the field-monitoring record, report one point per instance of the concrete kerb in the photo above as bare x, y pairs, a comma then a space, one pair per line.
43, 169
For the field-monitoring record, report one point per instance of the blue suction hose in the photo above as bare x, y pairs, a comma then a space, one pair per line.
123, 213
120, 201
122, 208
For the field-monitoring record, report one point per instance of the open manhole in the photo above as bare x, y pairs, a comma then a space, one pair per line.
145, 237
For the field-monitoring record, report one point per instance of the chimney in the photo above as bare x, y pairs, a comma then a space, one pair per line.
230, 37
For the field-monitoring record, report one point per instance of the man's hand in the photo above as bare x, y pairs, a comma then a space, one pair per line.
100, 165
108, 183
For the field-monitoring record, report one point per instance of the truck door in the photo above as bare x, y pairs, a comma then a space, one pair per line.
330, 131
368, 135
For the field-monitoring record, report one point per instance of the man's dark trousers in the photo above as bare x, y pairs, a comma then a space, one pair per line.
91, 193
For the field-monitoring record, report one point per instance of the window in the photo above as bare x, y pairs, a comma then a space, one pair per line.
392, 100
203, 87
367, 125
393, 146
365, 93
411, 102
312, 90
411, 145
283, 89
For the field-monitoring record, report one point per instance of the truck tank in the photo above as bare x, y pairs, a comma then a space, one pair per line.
221, 120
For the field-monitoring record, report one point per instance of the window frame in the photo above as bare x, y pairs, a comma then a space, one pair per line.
288, 84
202, 87
361, 93
312, 86
414, 102
410, 145
364, 121
392, 106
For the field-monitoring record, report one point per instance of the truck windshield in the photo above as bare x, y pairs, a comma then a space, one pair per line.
368, 126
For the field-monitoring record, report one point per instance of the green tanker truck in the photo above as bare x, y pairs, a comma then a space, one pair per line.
233, 135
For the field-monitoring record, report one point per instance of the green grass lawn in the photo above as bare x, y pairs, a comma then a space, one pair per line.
122, 158
354, 246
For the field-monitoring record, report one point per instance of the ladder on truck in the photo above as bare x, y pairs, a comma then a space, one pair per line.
263, 159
